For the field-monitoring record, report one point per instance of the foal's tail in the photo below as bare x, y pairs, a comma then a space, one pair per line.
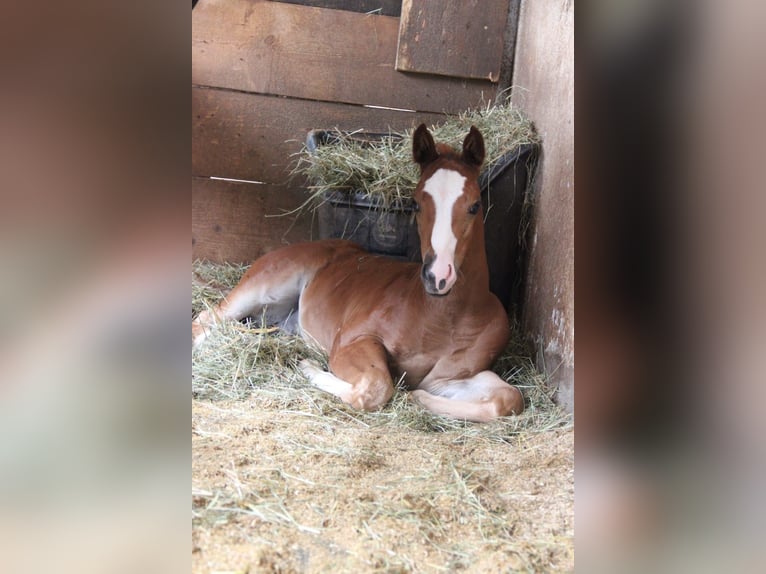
273, 285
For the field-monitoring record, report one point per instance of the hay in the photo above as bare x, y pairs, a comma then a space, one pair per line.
210, 282
240, 361
286, 478
383, 170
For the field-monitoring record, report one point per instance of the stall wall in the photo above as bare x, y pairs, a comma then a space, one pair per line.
543, 78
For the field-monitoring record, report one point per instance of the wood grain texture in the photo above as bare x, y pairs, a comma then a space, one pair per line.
452, 38
233, 221
249, 136
545, 69
319, 54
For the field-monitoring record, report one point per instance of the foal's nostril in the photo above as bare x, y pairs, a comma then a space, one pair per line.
429, 279
425, 270
442, 284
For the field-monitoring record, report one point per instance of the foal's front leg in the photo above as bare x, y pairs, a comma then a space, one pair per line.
481, 398
359, 377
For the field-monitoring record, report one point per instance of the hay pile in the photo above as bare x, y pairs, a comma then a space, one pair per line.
383, 170
286, 478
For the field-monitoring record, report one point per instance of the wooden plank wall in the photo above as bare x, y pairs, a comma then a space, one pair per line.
265, 73
545, 68
463, 39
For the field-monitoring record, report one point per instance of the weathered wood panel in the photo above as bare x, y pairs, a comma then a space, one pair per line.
545, 69
248, 136
463, 39
318, 54
233, 221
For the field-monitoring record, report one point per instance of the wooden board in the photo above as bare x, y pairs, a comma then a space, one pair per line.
248, 136
380, 7
463, 39
318, 54
230, 221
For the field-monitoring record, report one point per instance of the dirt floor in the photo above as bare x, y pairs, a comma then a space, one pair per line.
286, 478
291, 492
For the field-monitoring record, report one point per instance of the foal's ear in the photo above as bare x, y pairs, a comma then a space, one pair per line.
473, 148
423, 146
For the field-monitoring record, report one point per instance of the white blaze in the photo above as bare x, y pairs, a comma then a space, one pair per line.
444, 187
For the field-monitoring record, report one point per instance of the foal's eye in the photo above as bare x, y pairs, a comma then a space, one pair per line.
474, 209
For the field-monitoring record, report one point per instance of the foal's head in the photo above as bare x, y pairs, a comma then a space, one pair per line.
448, 205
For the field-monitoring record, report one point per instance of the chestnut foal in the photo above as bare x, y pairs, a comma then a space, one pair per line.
436, 326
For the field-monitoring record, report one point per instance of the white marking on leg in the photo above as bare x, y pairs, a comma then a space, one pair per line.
202, 325
200, 337
481, 398
455, 409
476, 388
445, 186
326, 381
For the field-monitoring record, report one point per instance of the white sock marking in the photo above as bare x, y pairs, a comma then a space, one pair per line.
326, 381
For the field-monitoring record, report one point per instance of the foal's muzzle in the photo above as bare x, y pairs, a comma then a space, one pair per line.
437, 280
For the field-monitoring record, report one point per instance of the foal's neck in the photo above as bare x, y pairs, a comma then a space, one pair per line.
474, 270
